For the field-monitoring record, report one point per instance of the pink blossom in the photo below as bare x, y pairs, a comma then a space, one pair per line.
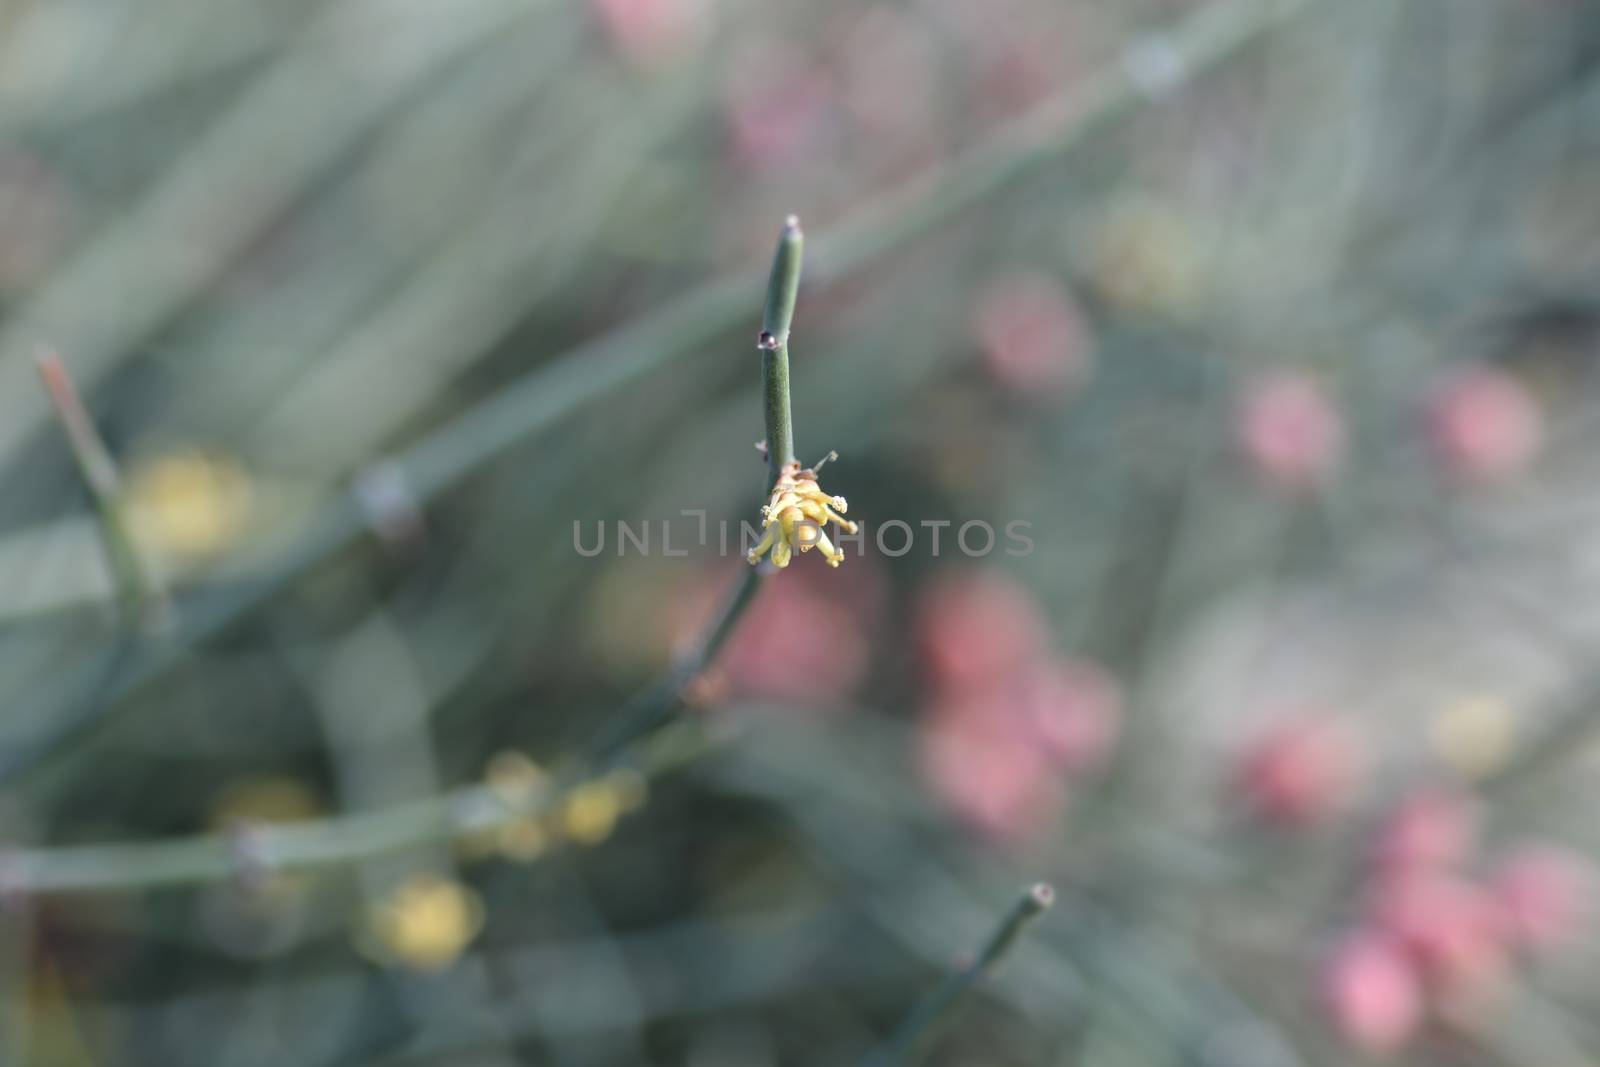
648, 31
1431, 829
1483, 425
990, 774
1072, 708
1017, 54
1289, 431
777, 107
1297, 773
1371, 993
1543, 892
1032, 336
976, 627
803, 640
887, 71
1455, 930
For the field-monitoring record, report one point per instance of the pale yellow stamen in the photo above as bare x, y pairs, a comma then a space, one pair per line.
794, 518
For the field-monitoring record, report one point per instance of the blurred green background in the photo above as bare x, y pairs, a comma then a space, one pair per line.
1269, 325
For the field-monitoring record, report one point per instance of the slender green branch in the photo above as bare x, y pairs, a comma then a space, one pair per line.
140, 594
783, 288
338, 841
937, 1008
109, 677
351, 839
783, 284
661, 701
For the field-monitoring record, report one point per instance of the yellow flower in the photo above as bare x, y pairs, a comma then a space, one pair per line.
426, 923
521, 785
1475, 735
523, 840
795, 517
515, 780
590, 812
190, 505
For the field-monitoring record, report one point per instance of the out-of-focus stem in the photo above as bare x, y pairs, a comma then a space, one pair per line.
363, 836
661, 701
139, 592
783, 288
936, 1008
338, 841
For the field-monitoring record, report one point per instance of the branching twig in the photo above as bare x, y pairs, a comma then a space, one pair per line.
470, 810
657, 704
255, 850
937, 1007
661, 701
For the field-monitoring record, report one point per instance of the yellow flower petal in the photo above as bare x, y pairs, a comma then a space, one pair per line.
755, 554
834, 555
590, 812
426, 923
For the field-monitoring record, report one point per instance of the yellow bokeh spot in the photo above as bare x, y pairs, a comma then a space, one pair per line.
590, 812
515, 780
426, 923
523, 840
189, 504
1145, 260
1474, 735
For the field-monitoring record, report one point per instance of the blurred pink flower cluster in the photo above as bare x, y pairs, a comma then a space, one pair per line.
873, 86
1480, 425
870, 85
1298, 772
647, 32
1439, 934
1484, 425
1008, 726
804, 640
1032, 335
1289, 431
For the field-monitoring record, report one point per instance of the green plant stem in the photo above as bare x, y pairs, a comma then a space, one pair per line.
661, 701
356, 838
140, 594
337, 841
937, 1007
109, 677
783, 288
658, 703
